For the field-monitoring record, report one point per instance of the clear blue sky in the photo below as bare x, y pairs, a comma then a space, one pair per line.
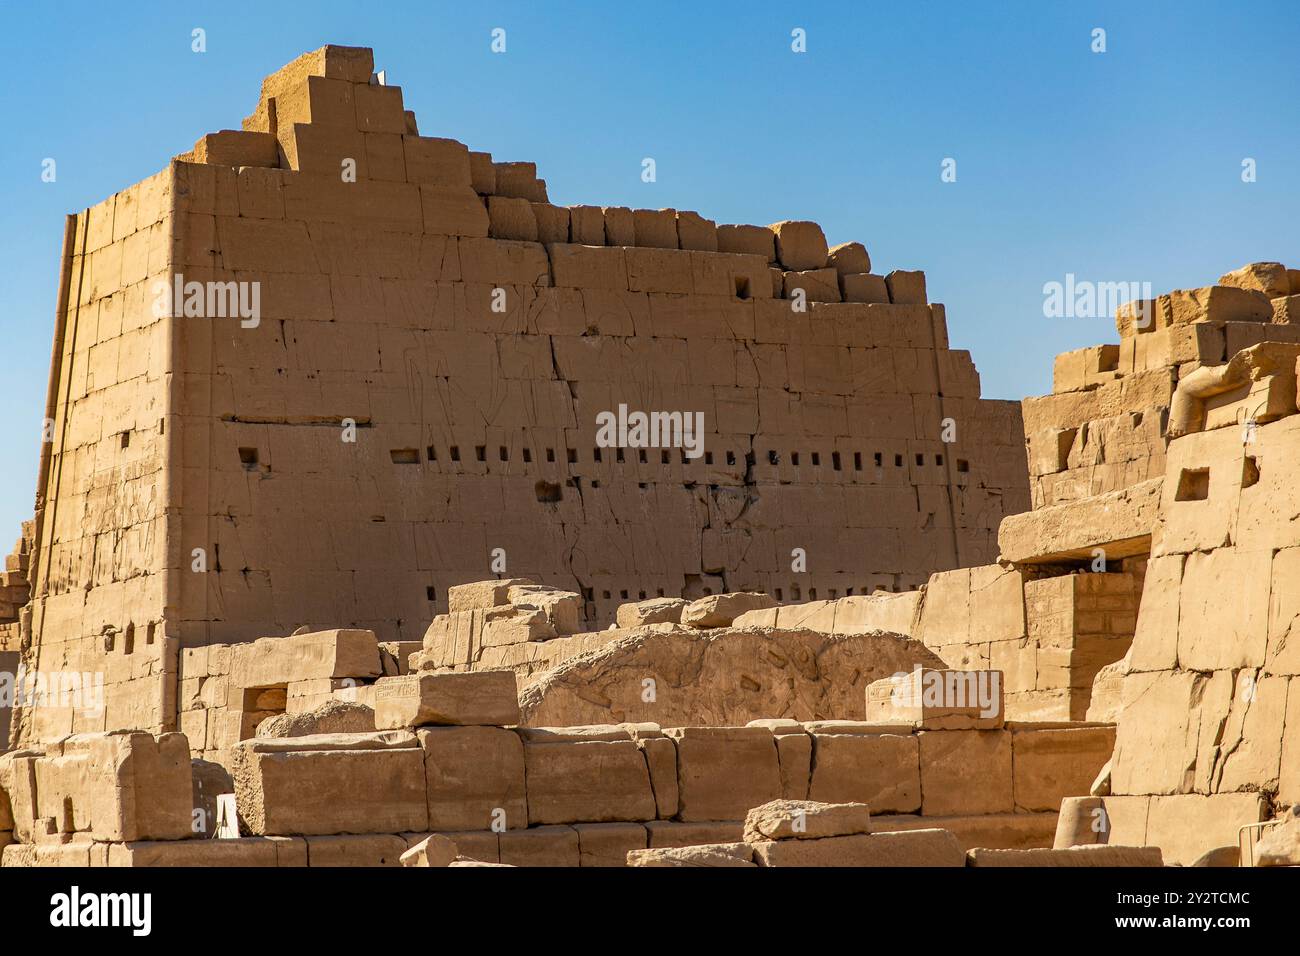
1122, 166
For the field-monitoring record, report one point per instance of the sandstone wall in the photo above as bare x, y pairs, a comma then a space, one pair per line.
421, 384
99, 562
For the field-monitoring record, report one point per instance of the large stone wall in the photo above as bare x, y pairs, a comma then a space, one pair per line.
421, 387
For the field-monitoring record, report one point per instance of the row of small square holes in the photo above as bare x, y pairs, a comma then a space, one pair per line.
410, 456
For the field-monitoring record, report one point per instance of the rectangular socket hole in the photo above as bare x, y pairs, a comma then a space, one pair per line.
1193, 485
1249, 471
405, 456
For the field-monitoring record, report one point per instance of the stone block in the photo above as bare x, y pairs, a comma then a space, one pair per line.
939, 699
1053, 763
541, 846
719, 610
274, 661
589, 781
289, 788
899, 848
948, 785
652, 611
433, 850
849, 258
748, 240
906, 287
864, 288
709, 855
1076, 856
475, 778
800, 245
608, 844
724, 771
805, 820
488, 698
880, 770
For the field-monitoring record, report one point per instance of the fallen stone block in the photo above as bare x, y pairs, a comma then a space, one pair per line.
1279, 845
1119, 522
1012, 831
481, 698
481, 595
1075, 856
805, 820
1269, 278
273, 661
331, 717
939, 699
719, 610
433, 850
652, 611
898, 848
712, 854
1080, 822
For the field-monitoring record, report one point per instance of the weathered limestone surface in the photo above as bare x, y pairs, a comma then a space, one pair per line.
719, 677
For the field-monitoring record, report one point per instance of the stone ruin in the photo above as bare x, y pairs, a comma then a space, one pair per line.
1046, 636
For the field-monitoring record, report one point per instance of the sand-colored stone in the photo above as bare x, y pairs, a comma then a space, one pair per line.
805, 820
483, 698
927, 847
1075, 856
710, 854
718, 677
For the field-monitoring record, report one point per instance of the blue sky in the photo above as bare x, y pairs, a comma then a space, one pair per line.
1115, 166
